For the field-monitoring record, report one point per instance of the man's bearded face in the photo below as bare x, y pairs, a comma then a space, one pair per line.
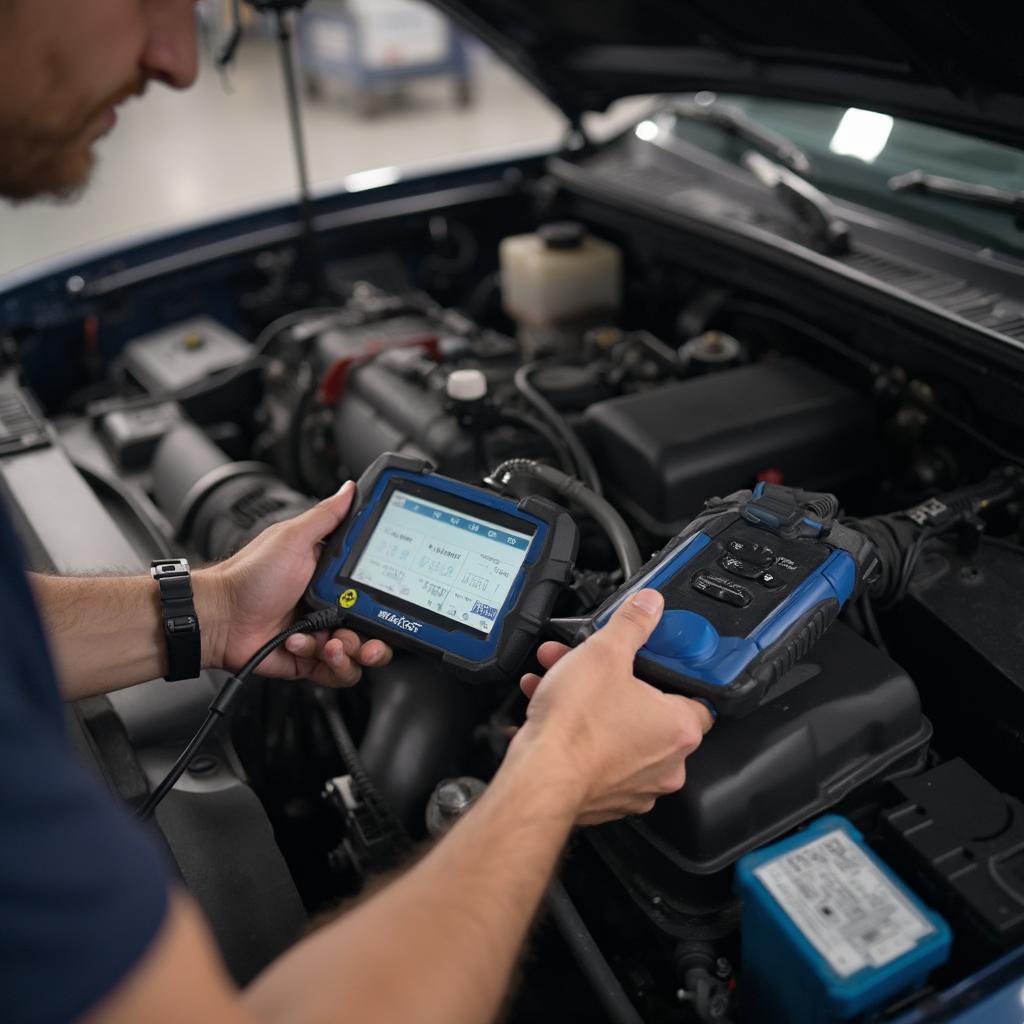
65, 65
52, 154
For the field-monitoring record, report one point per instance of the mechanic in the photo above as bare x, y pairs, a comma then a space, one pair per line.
91, 925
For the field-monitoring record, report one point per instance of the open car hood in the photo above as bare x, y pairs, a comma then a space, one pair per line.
951, 63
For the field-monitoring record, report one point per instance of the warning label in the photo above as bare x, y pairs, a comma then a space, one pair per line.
843, 904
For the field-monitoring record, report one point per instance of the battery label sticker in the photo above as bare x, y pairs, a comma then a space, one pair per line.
843, 904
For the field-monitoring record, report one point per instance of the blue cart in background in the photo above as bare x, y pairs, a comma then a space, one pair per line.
373, 45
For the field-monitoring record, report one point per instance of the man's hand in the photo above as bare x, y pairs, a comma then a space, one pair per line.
258, 588
618, 741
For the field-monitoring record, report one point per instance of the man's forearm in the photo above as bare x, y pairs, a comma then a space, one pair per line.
105, 632
440, 943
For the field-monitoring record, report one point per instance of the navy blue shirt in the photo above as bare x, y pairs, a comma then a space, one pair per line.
83, 889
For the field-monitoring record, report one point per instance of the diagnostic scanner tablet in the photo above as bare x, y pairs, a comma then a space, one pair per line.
438, 566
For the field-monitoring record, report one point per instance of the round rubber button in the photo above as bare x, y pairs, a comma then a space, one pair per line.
683, 635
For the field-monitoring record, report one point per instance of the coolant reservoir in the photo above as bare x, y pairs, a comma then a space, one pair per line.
558, 281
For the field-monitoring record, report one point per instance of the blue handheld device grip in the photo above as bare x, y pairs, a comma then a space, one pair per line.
749, 588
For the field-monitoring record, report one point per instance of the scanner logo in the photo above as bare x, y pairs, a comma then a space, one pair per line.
348, 598
399, 621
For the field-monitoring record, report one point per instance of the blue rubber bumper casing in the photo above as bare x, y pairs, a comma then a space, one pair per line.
687, 645
786, 976
732, 673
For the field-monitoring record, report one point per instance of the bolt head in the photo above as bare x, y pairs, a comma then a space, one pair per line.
453, 797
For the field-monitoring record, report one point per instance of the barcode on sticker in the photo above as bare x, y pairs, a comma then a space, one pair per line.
843, 904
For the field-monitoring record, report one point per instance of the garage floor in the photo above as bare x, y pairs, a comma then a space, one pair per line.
179, 158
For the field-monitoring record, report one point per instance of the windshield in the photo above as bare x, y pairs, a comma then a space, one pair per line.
854, 153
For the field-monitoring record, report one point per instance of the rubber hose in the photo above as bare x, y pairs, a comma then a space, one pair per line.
591, 960
584, 464
553, 440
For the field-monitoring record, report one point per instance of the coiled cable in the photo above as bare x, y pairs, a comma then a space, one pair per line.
585, 468
573, 489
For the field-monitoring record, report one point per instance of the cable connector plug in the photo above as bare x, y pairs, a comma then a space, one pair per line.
220, 704
322, 618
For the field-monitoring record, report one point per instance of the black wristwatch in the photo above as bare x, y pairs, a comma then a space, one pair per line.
178, 612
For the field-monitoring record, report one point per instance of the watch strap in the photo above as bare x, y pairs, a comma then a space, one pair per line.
179, 618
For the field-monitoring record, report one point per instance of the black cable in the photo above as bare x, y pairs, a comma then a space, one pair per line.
585, 467
467, 248
1005, 543
356, 769
569, 487
867, 611
557, 445
908, 565
918, 396
277, 327
177, 770
210, 383
186, 392
959, 505
295, 433
900, 537
326, 618
481, 294
795, 323
587, 954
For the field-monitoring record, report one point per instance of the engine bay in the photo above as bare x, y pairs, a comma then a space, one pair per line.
194, 414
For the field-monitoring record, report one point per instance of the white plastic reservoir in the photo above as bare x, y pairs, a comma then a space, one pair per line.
560, 276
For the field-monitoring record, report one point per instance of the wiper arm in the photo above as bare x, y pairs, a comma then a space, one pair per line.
966, 191
733, 119
814, 209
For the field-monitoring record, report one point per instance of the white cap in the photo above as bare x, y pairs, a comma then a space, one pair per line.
466, 385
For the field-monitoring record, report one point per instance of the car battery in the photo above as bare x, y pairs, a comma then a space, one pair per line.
828, 931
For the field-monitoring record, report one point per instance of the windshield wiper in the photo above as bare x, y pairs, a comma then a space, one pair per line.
966, 191
732, 119
814, 209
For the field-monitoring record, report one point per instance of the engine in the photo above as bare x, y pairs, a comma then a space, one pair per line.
205, 437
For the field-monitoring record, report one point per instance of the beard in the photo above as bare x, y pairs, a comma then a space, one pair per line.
55, 159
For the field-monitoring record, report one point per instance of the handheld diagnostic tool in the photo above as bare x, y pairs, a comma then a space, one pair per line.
445, 568
749, 587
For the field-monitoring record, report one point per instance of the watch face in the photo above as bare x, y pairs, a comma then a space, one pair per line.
164, 567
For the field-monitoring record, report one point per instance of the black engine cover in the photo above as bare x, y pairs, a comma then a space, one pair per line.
664, 452
845, 716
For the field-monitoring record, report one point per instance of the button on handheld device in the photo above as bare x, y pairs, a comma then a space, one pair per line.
445, 568
749, 586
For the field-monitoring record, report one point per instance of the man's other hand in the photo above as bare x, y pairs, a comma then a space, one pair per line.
255, 594
619, 742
